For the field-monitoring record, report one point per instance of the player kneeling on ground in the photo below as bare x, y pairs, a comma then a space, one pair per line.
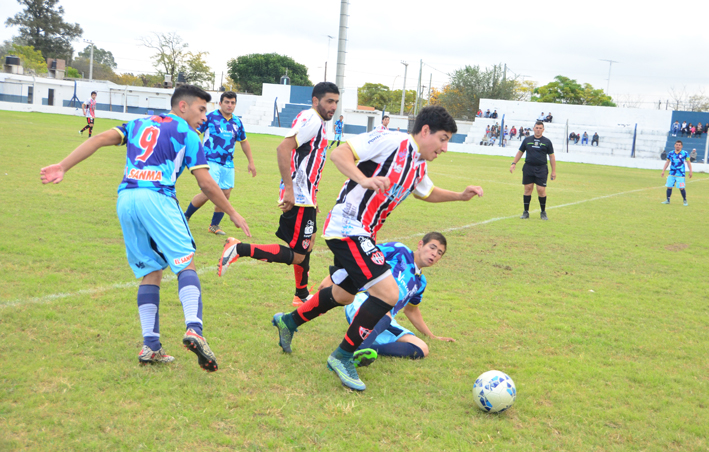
155, 232
389, 338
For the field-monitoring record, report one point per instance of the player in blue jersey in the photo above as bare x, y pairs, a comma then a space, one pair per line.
337, 128
222, 130
155, 232
676, 161
388, 338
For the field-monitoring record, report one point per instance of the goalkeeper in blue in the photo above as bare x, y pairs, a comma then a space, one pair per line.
676, 161
155, 231
388, 338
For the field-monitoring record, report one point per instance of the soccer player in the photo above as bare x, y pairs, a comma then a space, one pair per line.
89, 109
383, 169
677, 159
384, 126
338, 133
389, 338
535, 169
301, 156
155, 232
222, 131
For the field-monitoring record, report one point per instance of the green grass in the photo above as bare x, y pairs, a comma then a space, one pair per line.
600, 316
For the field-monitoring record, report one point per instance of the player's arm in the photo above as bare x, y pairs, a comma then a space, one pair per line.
516, 159
552, 161
664, 168
413, 313
83, 109
344, 159
246, 149
55, 173
284, 155
689, 165
215, 194
442, 195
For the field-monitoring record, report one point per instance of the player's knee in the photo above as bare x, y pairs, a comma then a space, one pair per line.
423, 347
298, 258
227, 192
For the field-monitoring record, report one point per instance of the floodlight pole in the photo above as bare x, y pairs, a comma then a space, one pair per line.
329, 38
91, 59
610, 65
403, 90
341, 53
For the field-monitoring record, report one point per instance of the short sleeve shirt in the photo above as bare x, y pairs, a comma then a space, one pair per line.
90, 108
220, 137
158, 149
362, 212
409, 278
537, 150
338, 126
677, 162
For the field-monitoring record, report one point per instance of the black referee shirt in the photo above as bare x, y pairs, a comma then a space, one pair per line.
537, 150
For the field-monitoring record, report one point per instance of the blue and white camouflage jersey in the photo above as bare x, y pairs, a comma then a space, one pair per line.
158, 149
409, 278
221, 136
677, 162
338, 127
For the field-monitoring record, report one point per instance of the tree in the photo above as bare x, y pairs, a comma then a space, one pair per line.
101, 56
100, 71
71, 72
42, 26
32, 60
564, 90
381, 97
524, 90
196, 70
250, 72
172, 58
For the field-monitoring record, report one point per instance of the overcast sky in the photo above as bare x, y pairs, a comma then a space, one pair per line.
658, 47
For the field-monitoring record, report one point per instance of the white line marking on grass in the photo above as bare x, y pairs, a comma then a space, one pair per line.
203, 270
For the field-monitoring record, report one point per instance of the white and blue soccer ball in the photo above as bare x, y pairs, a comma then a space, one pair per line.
494, 391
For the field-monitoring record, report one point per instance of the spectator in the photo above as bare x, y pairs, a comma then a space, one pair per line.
487, 131
684, 128
693, 155
548, 118
700, 130
692, 130
675, 128
572, 137
541, 117
595, 139
487, 113
527, 132
479, 114
577, 137
584, 140
513, 132
494, 115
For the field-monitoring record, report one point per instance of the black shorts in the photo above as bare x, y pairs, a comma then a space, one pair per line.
296, 227
362, 261
535, 175
90, 121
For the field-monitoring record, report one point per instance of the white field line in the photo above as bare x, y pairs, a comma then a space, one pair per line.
203, 270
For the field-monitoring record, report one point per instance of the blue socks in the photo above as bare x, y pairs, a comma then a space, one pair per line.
148, 304
669, 193
217, 218
190, 291
399, 349
382, 325
190, 210
684, 193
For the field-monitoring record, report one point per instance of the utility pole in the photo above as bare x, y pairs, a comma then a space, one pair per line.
341, 53
91, 59
403, 91
418, 89
329, 38
610, 65
430, 81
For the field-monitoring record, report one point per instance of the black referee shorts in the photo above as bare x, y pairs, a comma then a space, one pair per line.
535, 175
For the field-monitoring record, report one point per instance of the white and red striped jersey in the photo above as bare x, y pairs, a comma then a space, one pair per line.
381, 128
90, 108
394, 155
308, 158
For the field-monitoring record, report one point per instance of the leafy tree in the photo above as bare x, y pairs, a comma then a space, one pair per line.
196, 70
395, 101
524, 90
101, 56
100, 71
146, 80
172, 58
250, 72
380, 97
32, 60
42, 26
71, 72
564, 90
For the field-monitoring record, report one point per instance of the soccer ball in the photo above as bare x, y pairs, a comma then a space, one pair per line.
494, 391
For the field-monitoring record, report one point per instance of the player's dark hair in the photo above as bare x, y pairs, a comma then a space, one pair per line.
436, 118
385, 117
323, 88
435, 236
227, 95
187, 93
94, 92
539, 123
680, 142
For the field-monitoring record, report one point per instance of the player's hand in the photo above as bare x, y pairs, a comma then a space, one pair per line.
690, 174
53, 173
663, 174
251, 169
378, 183
288, 200
445, 339
512, 168
470, 191
553, 176
240, 223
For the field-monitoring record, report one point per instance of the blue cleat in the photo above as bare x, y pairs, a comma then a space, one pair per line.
345, 369
285, 335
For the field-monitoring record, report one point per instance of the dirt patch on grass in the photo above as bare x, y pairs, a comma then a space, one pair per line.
676, 247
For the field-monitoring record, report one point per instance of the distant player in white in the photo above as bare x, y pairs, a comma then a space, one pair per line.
384, 126
89, 109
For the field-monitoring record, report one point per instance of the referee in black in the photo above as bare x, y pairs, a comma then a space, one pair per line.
535, 169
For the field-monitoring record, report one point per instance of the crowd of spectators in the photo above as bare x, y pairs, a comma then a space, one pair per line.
487, 114
494, 134
547, 118
689, 130
575, 137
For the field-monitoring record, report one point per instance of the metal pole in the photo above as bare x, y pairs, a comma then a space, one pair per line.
706, 150
610, 65
403, 90
341, 53
430, 80
91, 60
418, 90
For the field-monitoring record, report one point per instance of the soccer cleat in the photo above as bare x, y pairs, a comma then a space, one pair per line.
297, 301
686, 203
149, 356
216, 230
364, 357
345, 369
81, 133
543, 216
198, 345
525, 215
666, 201
229, 255
285, 335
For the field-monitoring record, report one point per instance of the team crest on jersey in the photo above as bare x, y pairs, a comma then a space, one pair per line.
364, 332
378, 258
306, 244
366, 244
401, 155
309, 228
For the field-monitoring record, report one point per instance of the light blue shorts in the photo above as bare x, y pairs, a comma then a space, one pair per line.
338, 137
391, 335
155, 232
671, 180
223, 176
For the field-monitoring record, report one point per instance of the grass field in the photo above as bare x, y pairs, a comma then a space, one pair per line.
600, 316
